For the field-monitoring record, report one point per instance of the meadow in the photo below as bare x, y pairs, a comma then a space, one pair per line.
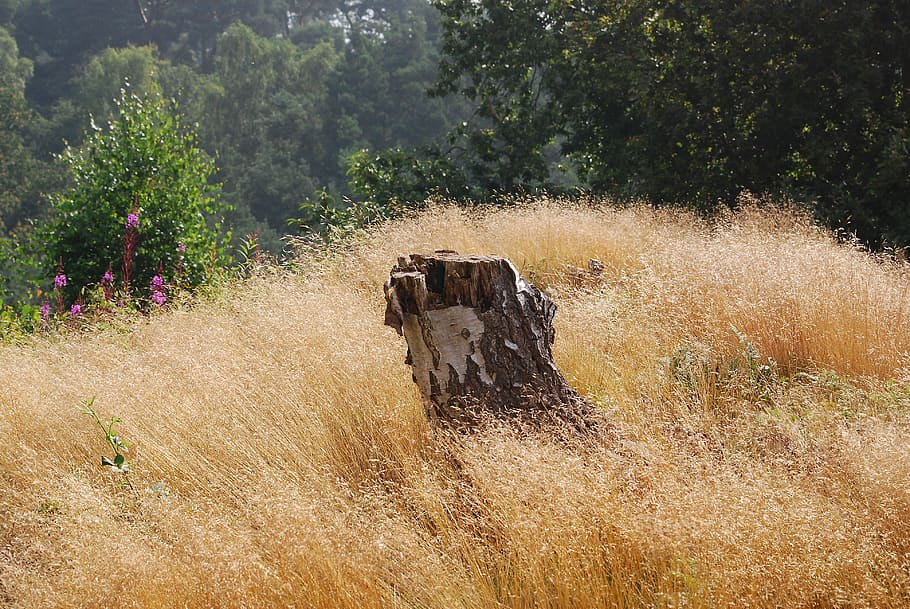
755, 372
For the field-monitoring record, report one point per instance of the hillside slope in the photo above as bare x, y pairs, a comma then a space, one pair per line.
757, 374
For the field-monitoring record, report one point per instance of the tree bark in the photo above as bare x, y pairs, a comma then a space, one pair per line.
479, 340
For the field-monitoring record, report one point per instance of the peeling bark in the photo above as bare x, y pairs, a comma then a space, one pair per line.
479, 339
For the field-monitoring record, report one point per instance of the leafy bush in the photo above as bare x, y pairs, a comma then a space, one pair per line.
140, 203
408, 177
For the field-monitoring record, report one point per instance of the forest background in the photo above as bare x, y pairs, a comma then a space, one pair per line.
307, 108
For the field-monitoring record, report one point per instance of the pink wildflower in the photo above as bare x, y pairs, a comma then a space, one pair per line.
76, 310
129, 245
45, 310
158, 288
107, 283
59, 284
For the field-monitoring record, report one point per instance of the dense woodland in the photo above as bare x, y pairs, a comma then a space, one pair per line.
280, 92
302, 109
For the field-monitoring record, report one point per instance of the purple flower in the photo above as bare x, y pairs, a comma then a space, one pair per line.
159, 299
157, 282
59, 281
132, 221
107, 278
76, 310
45, 311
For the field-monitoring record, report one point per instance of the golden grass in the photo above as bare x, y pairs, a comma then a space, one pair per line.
302, 473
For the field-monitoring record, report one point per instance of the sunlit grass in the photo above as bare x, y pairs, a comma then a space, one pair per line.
300, 470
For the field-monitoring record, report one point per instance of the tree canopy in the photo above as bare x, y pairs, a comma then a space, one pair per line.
673, 101
695, 101
282, 92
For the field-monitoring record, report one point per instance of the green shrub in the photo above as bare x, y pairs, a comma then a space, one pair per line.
145, 166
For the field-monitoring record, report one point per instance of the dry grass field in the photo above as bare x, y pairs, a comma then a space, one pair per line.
757, 375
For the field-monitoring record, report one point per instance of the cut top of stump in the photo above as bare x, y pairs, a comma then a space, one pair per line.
447, 279
478, 335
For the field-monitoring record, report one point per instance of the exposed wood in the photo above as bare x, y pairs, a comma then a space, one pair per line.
479, 339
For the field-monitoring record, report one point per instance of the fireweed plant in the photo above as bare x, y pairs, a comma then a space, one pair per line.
60, 282
129, 246
109, 296
158, 289
107, 284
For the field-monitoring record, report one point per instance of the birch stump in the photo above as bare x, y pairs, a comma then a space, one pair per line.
479, 339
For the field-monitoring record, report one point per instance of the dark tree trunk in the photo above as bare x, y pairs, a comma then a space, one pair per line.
479, 340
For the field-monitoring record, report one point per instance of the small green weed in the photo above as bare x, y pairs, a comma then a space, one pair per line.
118, 464
757, 370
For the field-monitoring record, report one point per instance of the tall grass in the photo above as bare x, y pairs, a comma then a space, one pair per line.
754, 370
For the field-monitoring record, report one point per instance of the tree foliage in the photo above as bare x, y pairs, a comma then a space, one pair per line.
695, 101
281, 91
266, 121
676, 101
16, 162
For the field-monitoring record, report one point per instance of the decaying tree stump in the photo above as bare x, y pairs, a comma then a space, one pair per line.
479, 339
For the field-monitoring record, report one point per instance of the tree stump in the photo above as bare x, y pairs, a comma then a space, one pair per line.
479, 339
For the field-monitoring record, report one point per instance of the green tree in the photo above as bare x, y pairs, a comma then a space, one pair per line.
143, 163
16, 162
8, 10
64, 34
399, 179
384, 124
506, 143
189, 31
281, 92
94, 91
98, 84
379, 90
694, 101
503, 56
266, 121
20, 173
807, 98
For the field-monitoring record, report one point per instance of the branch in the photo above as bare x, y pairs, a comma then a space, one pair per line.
145, 19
